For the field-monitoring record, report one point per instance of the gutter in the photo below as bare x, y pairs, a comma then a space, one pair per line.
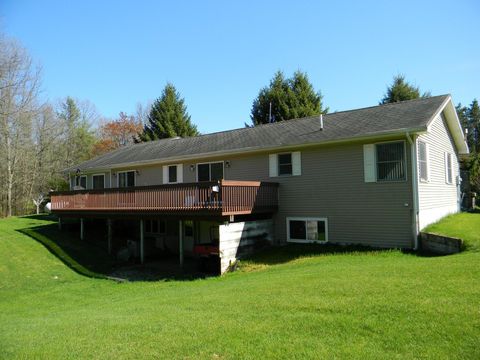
415, 222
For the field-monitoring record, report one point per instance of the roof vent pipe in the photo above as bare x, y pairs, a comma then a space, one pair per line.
321, 122
466, 133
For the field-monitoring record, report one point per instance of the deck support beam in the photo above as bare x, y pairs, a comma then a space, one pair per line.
109, 235
82, 229
180, 241
142, 253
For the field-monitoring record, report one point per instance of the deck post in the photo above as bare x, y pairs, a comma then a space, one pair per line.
109, 235
82, 230
141, 242
59, 223
180, 241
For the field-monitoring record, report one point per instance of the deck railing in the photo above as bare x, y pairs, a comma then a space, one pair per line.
225, 197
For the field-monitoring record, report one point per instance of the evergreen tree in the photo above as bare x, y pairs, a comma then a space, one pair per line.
401, 90
473, 115
470, 120
168, 118
286, 99
79, 138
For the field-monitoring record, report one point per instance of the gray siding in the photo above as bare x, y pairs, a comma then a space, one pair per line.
332, 186
436, 197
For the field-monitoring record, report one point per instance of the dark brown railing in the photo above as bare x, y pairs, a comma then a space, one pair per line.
225, 197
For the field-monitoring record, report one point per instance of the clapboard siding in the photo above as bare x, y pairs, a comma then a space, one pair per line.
242, 238
436, 197
332, 185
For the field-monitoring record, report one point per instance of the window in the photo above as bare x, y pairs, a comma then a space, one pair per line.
81, 181
210, 171
285, 164
307, 230
422, 161
448, 168
126, 179
98, 181
390, 161
154, 226
172, 174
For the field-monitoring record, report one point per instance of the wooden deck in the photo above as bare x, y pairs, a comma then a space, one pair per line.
221, 198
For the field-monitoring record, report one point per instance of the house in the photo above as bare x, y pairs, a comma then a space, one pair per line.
373, 176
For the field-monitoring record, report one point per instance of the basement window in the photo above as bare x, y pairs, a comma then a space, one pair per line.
307, 230
155, 227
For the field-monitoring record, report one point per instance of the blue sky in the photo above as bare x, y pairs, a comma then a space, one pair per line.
220, 53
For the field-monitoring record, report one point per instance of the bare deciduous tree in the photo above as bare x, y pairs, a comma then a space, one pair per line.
19, 84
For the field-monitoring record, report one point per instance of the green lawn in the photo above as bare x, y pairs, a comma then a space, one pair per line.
327, 304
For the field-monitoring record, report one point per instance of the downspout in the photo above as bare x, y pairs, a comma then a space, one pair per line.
415, 225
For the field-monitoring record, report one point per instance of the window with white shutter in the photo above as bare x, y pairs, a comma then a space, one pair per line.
423, 161
285, 164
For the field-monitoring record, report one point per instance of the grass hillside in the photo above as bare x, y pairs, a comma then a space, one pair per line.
363, 304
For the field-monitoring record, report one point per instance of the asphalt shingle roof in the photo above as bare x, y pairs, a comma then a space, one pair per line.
413, 114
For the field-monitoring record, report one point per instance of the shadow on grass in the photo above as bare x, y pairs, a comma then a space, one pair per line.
44, 217
290, 252
93, 261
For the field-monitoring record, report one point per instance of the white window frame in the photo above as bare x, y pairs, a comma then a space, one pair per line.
210, 169
278, 163
127, 171
447, 170
104, 184
176, 174
427, 162
305, 241
166, 174
80, 181
405, 159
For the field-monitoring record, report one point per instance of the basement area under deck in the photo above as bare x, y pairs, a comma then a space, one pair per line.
221, 199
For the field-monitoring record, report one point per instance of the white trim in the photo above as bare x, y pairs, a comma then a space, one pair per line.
369, 163
304, 241
272, 165
415, 197
111, 185
296, 163
93, 175
127, 171
166, 174
457, 134
210, 168
447, 172
427, 162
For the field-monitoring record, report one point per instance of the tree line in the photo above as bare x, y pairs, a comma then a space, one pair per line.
39, 140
